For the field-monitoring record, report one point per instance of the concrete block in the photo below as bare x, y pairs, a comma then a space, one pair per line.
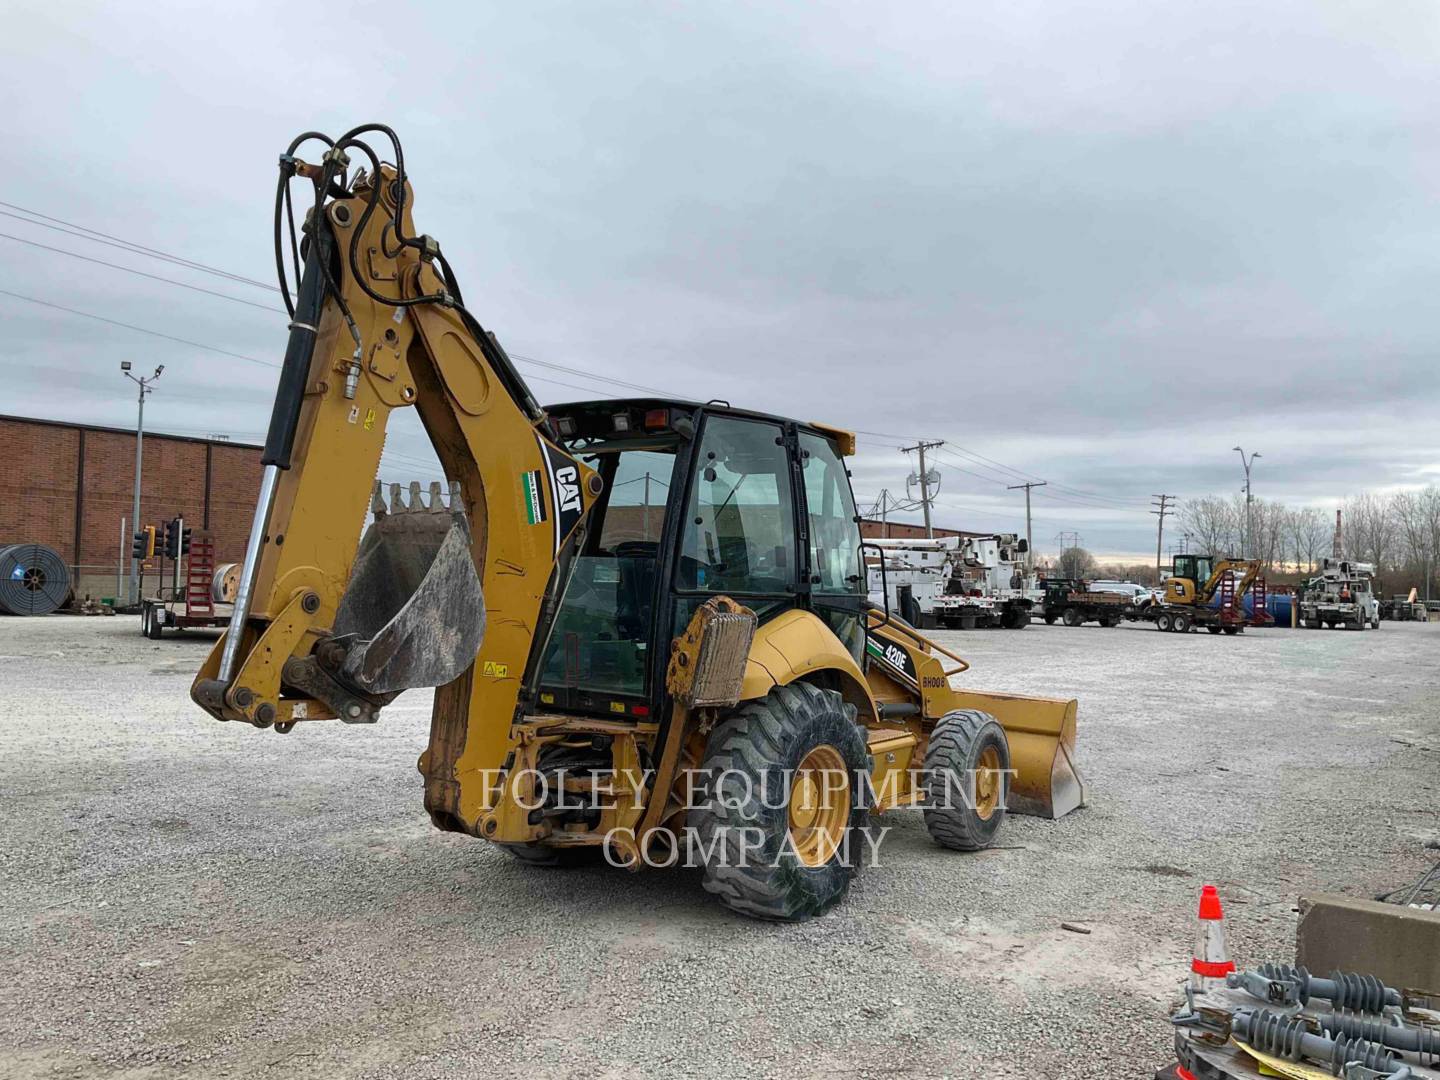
1400, 946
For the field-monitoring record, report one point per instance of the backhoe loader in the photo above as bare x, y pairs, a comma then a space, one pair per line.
1203, 591
619, 671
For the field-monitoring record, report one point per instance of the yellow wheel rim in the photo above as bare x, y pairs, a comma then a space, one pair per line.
988, 780
819, 806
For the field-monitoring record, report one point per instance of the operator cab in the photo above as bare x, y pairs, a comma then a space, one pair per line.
1198, 568
698, 501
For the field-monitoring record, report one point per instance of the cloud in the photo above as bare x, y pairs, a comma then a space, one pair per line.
1099, 243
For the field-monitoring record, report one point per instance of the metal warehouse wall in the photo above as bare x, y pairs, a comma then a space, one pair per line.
68, 486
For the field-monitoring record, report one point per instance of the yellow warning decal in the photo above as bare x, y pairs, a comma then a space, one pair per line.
491, 670
617, 706
369, 419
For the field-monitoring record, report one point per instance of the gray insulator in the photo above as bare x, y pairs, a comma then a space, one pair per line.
1344, 990
1290, 1038
1423, 1042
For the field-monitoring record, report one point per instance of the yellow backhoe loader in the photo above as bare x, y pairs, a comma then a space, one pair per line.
646, 620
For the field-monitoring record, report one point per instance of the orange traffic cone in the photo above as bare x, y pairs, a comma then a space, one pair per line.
1211, 961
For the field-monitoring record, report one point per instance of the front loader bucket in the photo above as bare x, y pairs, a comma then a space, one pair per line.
414, 613
1041, 732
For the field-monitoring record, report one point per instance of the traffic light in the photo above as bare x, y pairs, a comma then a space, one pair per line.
143, 546
185, 539
172, 539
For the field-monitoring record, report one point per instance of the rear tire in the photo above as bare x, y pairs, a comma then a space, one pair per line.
966, 780
746, 821
1232, 630
1164, 621
1181, 624
153, 628
1072, 617
1214, 629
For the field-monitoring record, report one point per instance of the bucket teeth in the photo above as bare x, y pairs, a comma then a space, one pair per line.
418, 502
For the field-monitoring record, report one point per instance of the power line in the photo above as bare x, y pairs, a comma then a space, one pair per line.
242, 356
142, 273
98, 237
140, 329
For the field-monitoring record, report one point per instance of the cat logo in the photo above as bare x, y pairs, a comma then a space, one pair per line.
567, 485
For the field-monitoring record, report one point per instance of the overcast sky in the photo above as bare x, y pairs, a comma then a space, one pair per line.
1098, 244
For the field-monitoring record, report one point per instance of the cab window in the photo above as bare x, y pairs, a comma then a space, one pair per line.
834, 535
600, 639
740, 519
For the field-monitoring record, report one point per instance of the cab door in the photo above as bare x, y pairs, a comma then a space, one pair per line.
739, 534
834, 573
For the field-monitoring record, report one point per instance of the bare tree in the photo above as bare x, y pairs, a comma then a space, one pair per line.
1140, 573
1075, 563
1308, 531
1267, 526
1213, 523
1370, 529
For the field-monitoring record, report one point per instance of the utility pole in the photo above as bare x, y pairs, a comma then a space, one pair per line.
922, 446
1029, 540
145, 388
1248, 540
1163, 502
646, 516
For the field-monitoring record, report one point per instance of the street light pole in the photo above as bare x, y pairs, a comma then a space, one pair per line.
1248, 540
145, 388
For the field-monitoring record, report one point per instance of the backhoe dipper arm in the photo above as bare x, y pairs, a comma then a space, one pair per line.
1225, 566
325, 625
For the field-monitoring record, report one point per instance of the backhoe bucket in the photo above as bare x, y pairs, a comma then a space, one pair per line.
1041, 732
413, 614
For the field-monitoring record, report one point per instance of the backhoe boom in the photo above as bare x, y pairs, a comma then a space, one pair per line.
319, 633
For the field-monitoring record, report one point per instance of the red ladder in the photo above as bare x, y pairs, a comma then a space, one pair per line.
1259, 609
200, 575
1228, 612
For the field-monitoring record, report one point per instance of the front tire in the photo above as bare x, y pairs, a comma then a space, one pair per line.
780, 838
967, 776
1164, 621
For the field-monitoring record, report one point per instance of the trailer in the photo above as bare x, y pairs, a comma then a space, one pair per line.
195, 604
1074, 603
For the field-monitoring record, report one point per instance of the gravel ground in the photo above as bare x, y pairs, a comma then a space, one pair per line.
181, 897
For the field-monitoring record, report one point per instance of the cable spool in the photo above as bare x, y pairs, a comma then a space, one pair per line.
226, 583
33, 580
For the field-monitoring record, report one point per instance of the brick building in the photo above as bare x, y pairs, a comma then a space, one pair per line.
69, 485
874, 529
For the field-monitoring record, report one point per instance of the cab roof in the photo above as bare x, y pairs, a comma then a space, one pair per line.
844, 439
